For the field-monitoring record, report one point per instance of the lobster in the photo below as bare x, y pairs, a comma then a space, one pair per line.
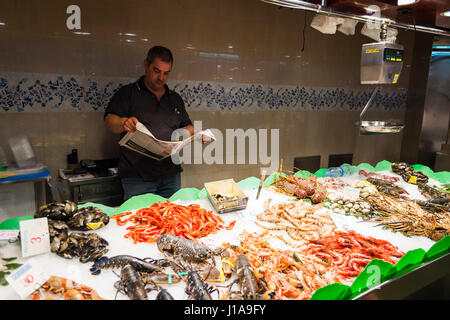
147, 265
185, 248
250, 287
131, 284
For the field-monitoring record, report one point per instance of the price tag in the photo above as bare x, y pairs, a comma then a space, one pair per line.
413, 179
246, 215
34, 237
27, 278
351, 193
94, 225
9, 235
218, 262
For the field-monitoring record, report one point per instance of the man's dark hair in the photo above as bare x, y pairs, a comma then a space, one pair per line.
161, 52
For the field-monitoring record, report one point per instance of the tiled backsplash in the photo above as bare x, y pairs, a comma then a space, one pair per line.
45, 92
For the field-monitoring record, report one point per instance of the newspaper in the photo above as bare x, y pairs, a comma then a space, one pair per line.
144, 142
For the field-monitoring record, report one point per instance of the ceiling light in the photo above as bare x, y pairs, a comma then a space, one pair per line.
82, 33
445, 13
2, 24
406, 2
144, 39
131, 34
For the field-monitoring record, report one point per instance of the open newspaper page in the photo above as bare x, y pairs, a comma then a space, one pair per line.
144, 142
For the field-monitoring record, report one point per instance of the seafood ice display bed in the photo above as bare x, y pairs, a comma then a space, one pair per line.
303, 235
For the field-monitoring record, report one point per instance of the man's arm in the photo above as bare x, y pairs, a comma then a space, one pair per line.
190, 128
117, 124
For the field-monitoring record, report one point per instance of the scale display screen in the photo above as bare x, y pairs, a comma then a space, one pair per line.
393, 55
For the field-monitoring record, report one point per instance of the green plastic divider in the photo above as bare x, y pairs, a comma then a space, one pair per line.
108, 210
13, 223
303, 174
335, 291
271, 179
438, 249
411, 260
249, 183
187, 194
320, 173
364, 166
442, 176
203, 194
383, 165
372, 275
141, 201
424, 169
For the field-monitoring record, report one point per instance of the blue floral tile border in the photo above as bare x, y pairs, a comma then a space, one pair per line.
254, 97
21, 92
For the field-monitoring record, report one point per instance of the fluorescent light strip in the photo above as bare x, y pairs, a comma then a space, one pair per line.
82, 33
406, 2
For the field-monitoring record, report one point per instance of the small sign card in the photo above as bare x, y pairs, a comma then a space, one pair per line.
246, 214
9, 235
34, 237
27, 279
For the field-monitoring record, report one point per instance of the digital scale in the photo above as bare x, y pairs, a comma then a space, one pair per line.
381, 63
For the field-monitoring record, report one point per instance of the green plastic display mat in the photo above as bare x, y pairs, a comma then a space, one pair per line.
375, 272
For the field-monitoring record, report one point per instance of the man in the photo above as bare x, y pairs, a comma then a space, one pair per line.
150, 102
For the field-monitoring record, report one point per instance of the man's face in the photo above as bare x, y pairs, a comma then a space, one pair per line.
157, 73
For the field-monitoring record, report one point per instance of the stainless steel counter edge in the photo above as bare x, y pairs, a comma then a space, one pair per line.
93, 180
410, 282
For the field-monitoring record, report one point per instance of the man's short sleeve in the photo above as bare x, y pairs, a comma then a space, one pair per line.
119, 103
185, 120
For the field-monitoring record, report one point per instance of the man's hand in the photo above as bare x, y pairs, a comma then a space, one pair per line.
129, 124
190, 129
117, 124
205, 139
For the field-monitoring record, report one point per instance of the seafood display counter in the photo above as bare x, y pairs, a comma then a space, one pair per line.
382, 233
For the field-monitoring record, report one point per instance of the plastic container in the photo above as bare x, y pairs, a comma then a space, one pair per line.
23, 152
343, 170
228, 187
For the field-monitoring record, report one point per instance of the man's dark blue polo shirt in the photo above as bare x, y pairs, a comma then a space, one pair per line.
160, 117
